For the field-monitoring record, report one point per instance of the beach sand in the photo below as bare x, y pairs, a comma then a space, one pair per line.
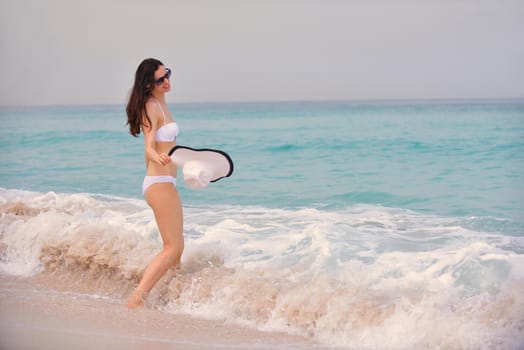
36, 317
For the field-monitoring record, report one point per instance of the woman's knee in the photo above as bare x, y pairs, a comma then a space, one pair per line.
174, 253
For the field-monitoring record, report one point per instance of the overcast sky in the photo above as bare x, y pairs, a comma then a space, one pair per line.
86, 52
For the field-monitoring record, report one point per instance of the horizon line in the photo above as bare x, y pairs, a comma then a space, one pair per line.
383, 101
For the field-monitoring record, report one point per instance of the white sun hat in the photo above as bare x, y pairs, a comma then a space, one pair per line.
201, 166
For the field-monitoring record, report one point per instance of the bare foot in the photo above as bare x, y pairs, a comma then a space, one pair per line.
136, 299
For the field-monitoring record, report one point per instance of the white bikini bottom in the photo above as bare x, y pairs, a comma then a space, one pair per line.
150, 180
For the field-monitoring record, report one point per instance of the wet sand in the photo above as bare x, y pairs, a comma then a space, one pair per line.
32, 317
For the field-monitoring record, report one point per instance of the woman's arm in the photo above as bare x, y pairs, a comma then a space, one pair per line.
149, 136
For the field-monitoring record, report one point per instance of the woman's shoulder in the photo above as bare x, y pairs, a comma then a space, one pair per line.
151, 104
152, 108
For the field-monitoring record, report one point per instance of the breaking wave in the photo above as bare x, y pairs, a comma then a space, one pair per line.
360, 277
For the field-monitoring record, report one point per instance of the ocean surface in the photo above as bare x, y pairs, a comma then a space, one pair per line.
364, 225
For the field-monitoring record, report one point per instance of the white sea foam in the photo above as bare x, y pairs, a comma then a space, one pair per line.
364, 277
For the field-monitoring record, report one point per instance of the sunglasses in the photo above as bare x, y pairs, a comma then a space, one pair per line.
166, 76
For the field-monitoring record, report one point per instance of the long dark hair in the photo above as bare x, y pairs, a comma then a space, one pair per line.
142, 90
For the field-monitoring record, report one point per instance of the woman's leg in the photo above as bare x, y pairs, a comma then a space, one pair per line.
165, 202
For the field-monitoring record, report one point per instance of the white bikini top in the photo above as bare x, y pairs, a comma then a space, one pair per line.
167, 132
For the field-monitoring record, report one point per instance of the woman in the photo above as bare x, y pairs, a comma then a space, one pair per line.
147, 112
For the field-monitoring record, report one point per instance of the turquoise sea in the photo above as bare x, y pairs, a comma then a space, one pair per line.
373, 224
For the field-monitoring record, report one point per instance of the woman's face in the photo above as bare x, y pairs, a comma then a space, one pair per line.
162, 83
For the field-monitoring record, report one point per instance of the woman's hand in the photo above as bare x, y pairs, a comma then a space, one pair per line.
163, 159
